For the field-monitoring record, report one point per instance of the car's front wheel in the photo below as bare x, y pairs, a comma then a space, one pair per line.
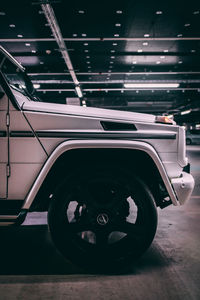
103, 218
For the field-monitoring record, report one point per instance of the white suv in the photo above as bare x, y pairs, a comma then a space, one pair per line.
101, 174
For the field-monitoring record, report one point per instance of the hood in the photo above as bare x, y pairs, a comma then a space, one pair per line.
87, 111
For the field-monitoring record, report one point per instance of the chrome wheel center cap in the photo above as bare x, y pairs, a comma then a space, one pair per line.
102, 219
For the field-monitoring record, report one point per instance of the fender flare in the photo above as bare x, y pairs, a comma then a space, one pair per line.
80, 144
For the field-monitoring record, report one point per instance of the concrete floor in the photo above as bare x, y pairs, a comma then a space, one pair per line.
30, 268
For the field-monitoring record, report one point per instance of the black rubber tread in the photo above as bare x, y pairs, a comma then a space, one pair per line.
67, 245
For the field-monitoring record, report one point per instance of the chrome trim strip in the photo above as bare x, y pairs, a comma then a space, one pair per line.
6, 217
98, 135
3, 133
6, 223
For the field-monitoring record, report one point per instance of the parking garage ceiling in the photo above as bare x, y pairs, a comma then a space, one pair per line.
101, 47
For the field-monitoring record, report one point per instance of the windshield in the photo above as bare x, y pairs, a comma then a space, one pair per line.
16, 77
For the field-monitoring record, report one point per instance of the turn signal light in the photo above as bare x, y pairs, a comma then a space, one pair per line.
164, 120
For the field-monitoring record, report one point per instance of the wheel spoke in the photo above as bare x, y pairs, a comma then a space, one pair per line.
133, 230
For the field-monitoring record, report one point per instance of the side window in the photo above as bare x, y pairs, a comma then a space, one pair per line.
13, 75
1, 89
1, 92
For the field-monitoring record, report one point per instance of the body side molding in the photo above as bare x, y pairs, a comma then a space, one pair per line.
78, 144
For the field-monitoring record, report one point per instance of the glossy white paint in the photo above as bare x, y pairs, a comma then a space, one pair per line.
87, 111
65, 122
183, 187
21, 179
26, 155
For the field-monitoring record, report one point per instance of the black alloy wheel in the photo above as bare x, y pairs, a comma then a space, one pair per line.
102, 219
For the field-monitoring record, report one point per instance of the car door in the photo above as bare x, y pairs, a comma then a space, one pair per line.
3, 144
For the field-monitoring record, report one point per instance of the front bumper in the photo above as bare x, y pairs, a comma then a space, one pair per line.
183, 187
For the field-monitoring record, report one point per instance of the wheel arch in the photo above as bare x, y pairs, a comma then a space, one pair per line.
137, 155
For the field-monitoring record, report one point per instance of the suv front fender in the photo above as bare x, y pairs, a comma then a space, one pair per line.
80, 144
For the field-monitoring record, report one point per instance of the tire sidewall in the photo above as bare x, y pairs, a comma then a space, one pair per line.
58, 203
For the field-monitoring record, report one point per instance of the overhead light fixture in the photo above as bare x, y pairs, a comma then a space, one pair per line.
185, 112
84, 103
36, 86
78, 91
151, 85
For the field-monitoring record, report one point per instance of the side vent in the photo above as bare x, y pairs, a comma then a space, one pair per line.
116, 126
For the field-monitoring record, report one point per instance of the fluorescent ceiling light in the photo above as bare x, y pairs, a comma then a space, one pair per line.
36, 86
151, 85
78, 91
185, 112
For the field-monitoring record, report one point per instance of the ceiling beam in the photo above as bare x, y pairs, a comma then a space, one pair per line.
60, 81
120, 89
52, 21
116, 73
97, 39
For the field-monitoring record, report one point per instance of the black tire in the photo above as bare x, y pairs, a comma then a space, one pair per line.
102, 219
188, 142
